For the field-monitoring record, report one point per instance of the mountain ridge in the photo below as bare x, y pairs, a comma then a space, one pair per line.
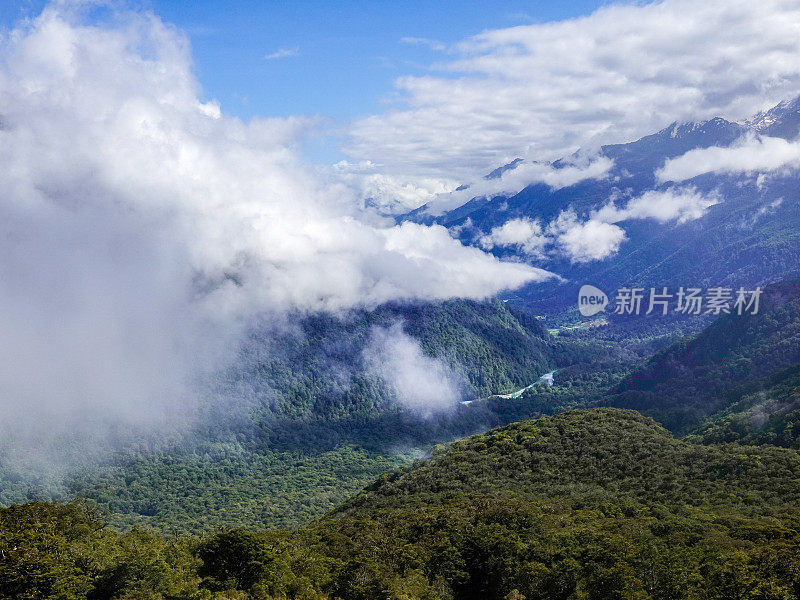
748, 236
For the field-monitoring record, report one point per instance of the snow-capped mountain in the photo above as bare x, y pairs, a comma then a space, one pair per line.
706, 203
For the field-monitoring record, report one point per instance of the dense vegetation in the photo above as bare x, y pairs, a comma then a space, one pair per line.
593, 504
736, 356
768, 416
66, 552
229, 486
319, 426
312, 423
316, 370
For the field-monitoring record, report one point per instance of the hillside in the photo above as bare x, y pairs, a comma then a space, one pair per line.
768, 416
304, 422
596, 504
589, 455
317, 375
735, 357
319, 425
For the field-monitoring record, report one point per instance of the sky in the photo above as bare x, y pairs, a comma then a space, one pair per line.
333, 58
417, 98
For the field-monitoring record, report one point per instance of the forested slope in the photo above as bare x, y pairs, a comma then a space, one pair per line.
768, 416
596, 504
303, 422
736, 356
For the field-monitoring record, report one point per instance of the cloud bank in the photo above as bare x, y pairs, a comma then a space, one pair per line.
387, 193
521, 175
752, 155
544, 90
679, 204
141, 228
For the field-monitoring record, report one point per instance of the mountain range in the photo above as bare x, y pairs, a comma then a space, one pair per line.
748, 235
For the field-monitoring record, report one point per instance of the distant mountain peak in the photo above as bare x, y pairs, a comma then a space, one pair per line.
782, 120
499, 171
676, 130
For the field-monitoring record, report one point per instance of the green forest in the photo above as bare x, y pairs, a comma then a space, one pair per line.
319, 426
572, 495
590, 504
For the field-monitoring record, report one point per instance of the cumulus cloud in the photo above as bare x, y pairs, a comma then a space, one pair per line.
585, 241
751, 155
141, 227
546, 89
421, 383
599, 237
524, 234
672, 204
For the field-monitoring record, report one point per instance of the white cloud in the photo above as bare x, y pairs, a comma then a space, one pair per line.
283, 53
768, 209
672, 204
599, 236
391, 195
515, 179
421, 383
626, 70
750, 155
585, 241
140, 227
524, 234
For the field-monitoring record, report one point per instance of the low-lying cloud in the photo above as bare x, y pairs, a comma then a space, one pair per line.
142, 229
387, 193
585, 241
514, 179
423, 384
753, 154
599, 236
673, 204
524, 234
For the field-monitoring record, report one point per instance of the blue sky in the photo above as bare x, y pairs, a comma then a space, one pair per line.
342, 57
